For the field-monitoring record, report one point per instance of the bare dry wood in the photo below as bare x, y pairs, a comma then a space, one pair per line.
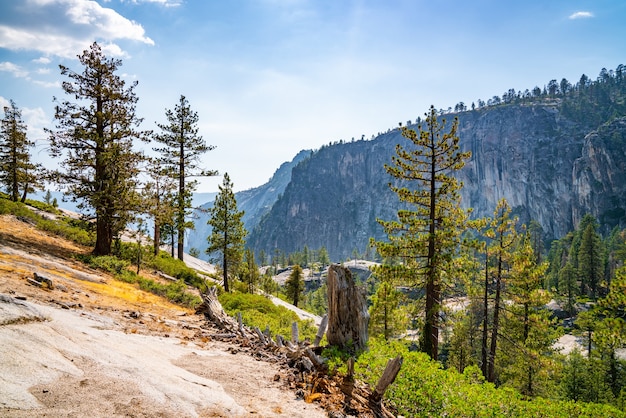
294, 333
321, 331
212, 309
309, 371
348, 317
389, 375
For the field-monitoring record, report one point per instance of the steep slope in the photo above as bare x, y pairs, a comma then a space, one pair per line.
550, 168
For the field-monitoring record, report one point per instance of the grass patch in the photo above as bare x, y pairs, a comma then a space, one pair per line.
258, 311
175, 292
74, 230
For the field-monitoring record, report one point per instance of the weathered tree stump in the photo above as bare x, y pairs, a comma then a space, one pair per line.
348, 318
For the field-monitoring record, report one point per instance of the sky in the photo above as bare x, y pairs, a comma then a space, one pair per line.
269, 78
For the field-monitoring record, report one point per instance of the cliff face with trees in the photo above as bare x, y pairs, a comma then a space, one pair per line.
552, 166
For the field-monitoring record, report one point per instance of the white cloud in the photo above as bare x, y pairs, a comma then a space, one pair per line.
42, 60
16, 70
166, 3
67, 27
581, 15
47, 84
3, 102
36, 120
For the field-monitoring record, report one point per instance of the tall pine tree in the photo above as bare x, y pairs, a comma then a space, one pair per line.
180, 154
16, 169
227, 239
426, 236
95, 131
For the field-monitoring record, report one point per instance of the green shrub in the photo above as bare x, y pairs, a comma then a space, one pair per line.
177, 268
43, 206
259, 311
424, 389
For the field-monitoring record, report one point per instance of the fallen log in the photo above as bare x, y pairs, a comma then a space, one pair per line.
212, 309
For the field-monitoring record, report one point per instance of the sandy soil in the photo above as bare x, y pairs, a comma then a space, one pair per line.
94, 346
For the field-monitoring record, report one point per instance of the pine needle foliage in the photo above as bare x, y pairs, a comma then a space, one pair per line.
94, 133
426, 236
227, 239
16, 169
180, 155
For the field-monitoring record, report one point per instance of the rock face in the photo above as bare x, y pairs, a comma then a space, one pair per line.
550, 168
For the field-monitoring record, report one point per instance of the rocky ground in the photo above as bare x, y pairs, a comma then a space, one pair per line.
94, 346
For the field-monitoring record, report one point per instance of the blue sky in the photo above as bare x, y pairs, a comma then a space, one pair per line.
269, 78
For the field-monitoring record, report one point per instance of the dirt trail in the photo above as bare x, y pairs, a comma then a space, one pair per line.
117, 351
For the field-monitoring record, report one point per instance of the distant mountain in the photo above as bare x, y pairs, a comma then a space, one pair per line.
255, 202
553, 157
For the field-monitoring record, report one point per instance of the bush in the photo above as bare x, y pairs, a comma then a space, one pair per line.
424, 389
177, 268
258, 311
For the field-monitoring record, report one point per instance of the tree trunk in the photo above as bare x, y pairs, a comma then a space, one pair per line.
348, 318
25, 193
181, 194
485, 357
496, 324
103, 237
157, 237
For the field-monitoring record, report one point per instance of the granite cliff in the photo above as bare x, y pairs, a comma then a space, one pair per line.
550, 167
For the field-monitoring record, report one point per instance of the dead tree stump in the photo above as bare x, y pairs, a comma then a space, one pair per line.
348, 318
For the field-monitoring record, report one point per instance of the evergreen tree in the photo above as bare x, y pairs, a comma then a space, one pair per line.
427, 237
181, 151
16, 169
503, 236
294, 286
95, 135
568, 287
386, 317
158, 195
250, 271
529, 333
323, 257
227, 238
574, 382
590, 260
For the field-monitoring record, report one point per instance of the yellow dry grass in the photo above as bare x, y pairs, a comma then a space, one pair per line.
51, 255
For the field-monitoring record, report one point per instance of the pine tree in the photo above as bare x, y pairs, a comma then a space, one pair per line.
95, 135
181, 156
568, 287
386, 317
426, 237
503, 236
590, 260
529, 333
158, 196
16, 169
250, 272
294, 286
227, 239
